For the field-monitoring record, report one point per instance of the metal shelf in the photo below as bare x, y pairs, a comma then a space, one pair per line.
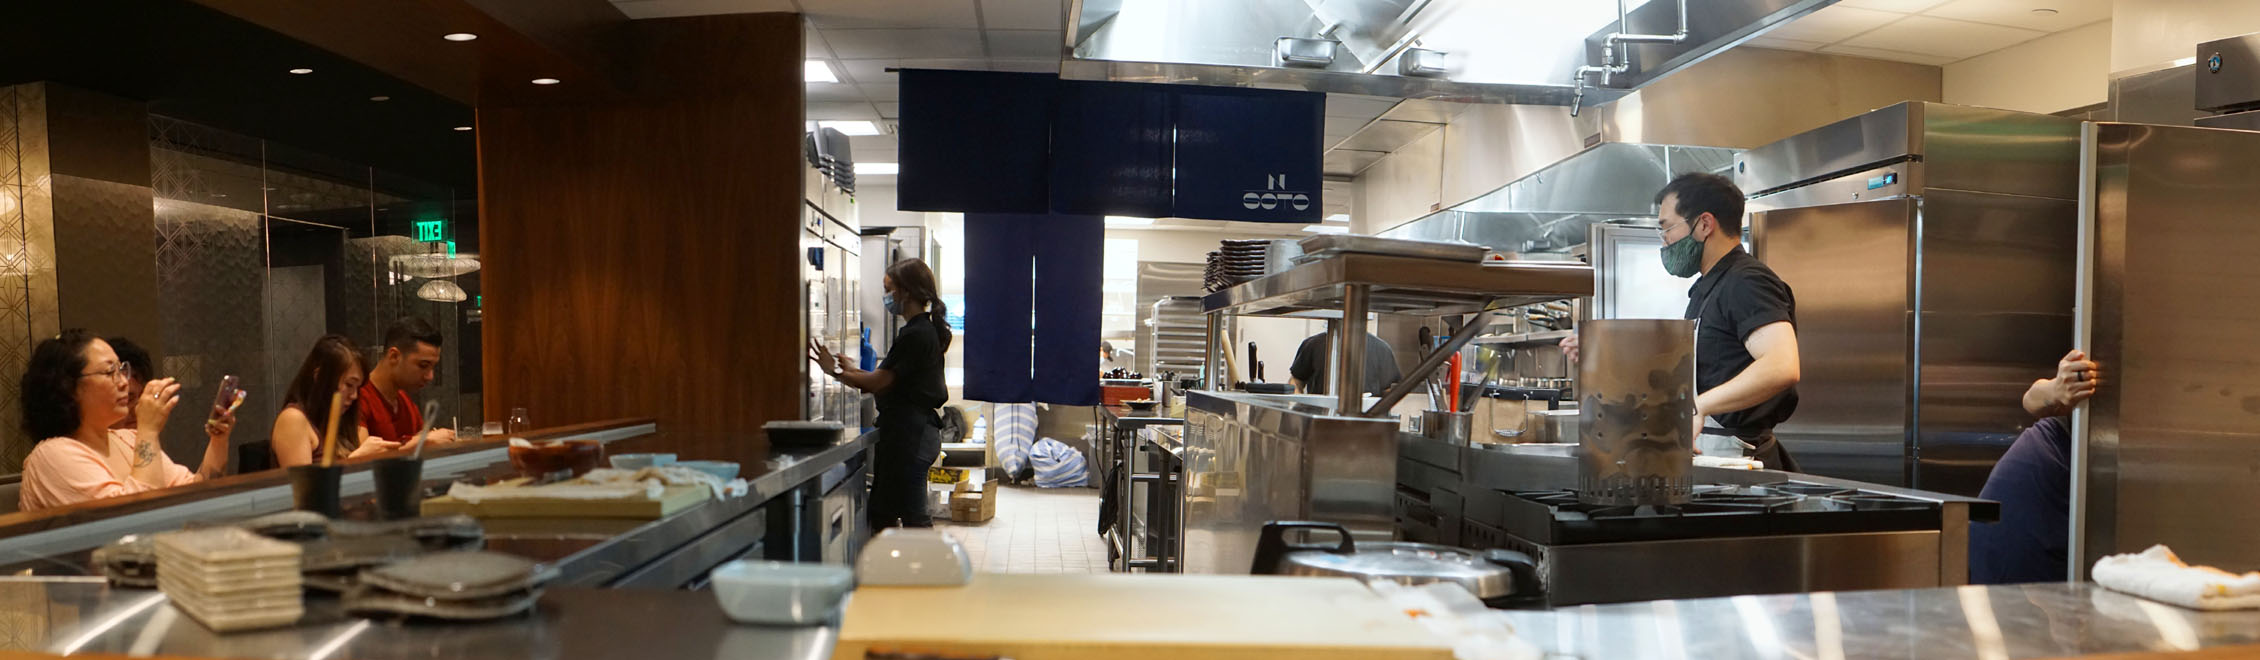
1402, 285
1547, 337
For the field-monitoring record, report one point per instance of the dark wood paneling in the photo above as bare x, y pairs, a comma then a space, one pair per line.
640, 255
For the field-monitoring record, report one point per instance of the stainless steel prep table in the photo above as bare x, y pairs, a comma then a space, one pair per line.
1143, 533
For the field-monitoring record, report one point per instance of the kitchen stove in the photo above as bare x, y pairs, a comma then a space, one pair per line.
1726, 540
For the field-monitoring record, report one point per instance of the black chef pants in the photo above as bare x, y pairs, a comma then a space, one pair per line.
906, 448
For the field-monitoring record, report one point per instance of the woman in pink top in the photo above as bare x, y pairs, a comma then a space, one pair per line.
73, 390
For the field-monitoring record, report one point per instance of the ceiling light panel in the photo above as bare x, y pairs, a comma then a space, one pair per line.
817, 71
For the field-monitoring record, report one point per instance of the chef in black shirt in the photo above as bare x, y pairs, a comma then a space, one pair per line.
909, 387
1747, 368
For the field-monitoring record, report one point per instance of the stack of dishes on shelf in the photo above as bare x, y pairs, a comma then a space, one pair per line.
468, 585
230, 579
1237, 261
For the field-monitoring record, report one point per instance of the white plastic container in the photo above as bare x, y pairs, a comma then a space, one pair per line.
906, 557
781, 593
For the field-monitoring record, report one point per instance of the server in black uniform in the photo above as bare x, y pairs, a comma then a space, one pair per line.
1746, 369
909, 387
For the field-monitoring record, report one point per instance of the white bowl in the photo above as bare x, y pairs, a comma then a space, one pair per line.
781, 593
903, 556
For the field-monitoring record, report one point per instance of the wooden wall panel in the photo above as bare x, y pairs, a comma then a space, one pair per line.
640, 256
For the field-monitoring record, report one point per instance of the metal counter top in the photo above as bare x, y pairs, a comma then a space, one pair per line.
70, 616
1402, 285
2000, 622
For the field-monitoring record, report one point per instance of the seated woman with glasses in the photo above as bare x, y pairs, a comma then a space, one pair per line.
333, 367
74, 389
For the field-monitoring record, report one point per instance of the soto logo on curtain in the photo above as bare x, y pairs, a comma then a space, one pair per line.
1032, 303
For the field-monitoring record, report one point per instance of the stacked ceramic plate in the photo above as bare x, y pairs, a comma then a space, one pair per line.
230, 579
451, 585
1235, 262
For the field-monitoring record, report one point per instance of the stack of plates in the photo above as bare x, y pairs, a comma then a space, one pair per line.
451, 585
1237, 261
230, 579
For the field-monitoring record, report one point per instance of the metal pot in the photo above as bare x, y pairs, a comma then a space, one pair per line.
1501, 578
1550, 426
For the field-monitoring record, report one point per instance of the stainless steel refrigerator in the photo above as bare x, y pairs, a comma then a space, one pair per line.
1930, 251
2171, 450
830, 283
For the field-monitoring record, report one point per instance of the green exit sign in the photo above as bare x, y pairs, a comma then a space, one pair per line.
431, 230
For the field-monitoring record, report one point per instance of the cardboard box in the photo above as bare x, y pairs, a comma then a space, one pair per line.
973, 502
954, 475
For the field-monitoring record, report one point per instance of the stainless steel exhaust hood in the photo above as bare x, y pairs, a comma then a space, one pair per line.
1499, 51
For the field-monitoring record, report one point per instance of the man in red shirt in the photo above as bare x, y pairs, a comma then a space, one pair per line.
411, 357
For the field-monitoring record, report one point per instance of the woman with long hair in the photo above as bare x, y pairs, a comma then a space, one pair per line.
74, 390
334, 367
909, 387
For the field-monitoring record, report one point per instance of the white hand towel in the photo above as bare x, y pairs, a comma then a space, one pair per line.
2158, 575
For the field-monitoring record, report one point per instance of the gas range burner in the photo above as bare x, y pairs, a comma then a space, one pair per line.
1554, 516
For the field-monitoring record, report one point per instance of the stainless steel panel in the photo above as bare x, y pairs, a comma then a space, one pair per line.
1637, 383
1850, 266
2243, 121
1424, 110
2228, 73
2041, 620
1386, 135
2165, 96
1402, 285
1698, 568
1252, 459
1996, 300
1893, 180
1349, 162
1856, 143
1712, 27
2176, 433
1961, 147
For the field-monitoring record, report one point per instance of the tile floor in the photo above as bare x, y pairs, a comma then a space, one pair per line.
1037, 530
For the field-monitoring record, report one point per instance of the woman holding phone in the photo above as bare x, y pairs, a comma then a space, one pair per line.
909, 386
333, 367
73, 391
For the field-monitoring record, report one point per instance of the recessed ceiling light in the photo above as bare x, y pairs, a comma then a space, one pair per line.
547, 81
851, 128
301, 71
2044, 11
459, 36
816, 71
877, 169
1326, 229
1127, 221
380, 98
462, 128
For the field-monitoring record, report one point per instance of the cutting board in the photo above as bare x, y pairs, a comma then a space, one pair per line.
1123, 616
673, 499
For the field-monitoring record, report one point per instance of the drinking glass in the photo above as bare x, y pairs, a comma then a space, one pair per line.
519, 422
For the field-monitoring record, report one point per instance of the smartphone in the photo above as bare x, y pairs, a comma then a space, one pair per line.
230, 396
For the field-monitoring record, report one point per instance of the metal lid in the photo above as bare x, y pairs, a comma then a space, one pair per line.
1410, 564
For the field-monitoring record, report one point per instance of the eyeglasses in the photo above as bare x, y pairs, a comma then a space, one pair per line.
122, 372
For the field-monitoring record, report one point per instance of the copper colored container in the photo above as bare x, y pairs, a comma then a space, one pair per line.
544, 458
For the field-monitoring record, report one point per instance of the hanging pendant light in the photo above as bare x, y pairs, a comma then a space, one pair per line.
442, 291
435, 265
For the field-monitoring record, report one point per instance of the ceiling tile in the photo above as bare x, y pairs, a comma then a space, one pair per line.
1830, 25
882, 92
882, 141
875, 71
813, 42
883, 44
1901, 6
1025, 43
1023, 15
834, 14
1942, 37
841, 110
672, 8
833, 92
889, 110
1026, 66
2019, 13
1343, 126
1784, 44
1354, 105
1892, 55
